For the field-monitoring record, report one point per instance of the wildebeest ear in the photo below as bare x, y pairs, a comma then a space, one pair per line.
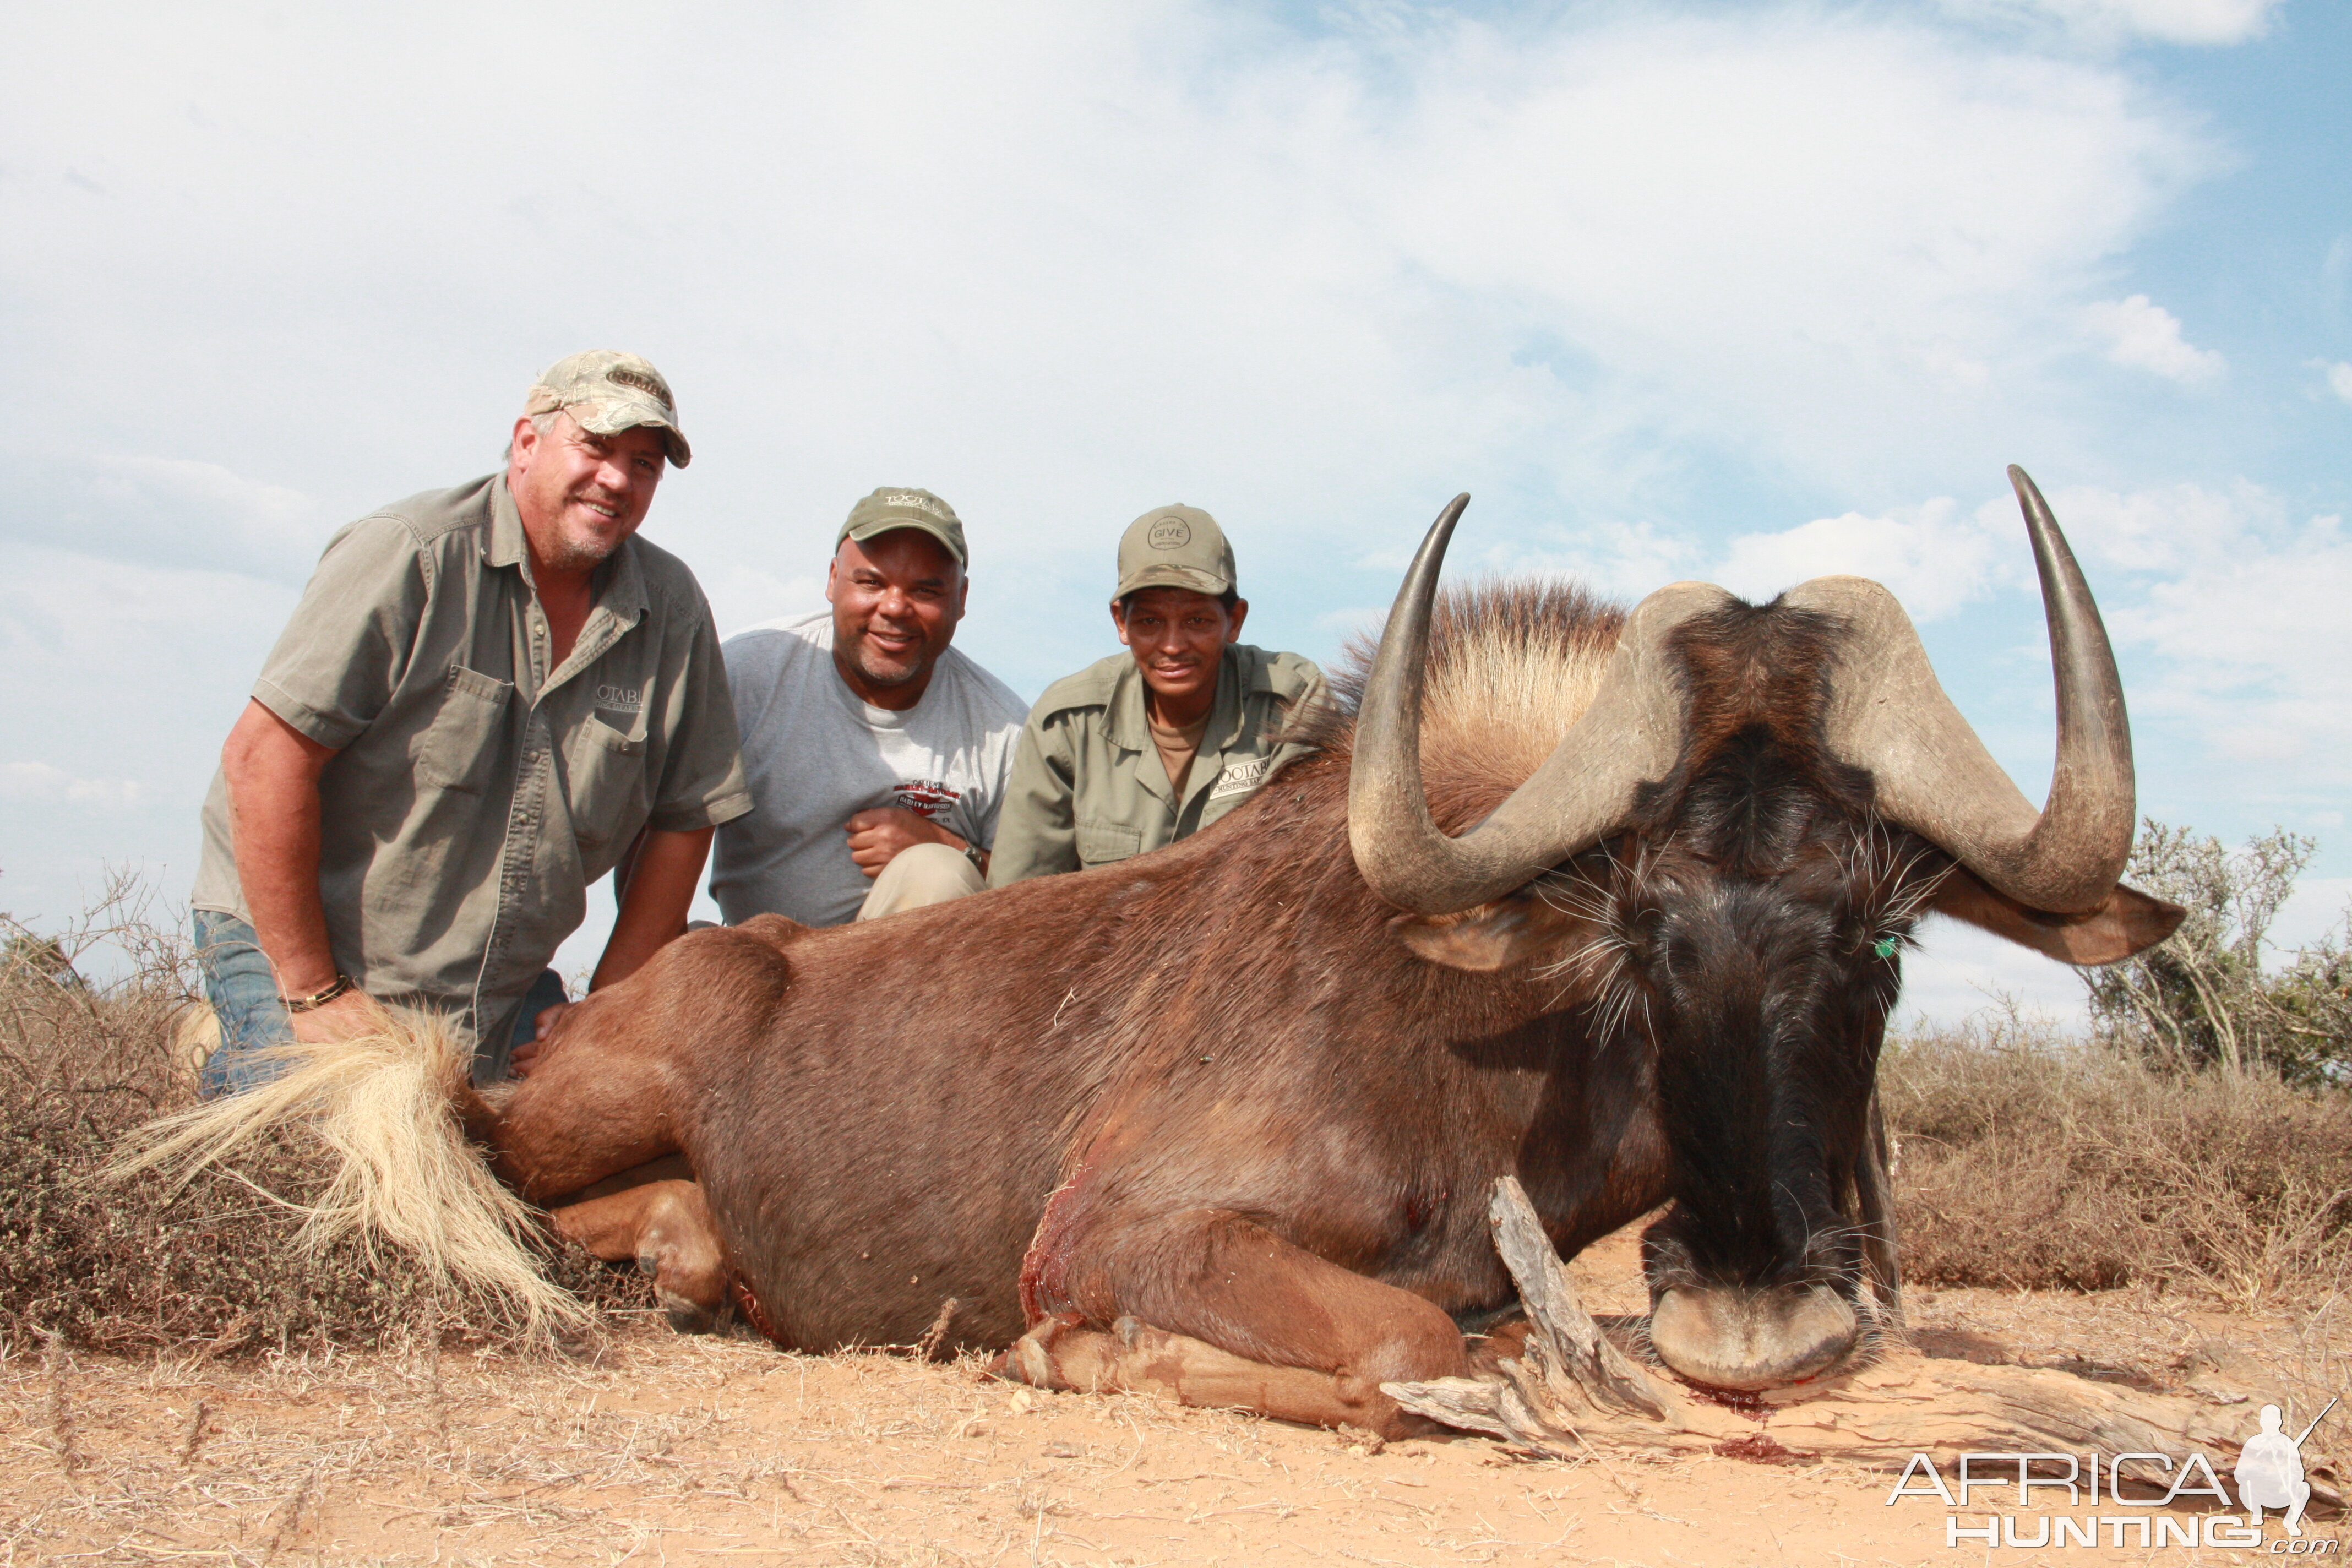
1499, 935
2128, 922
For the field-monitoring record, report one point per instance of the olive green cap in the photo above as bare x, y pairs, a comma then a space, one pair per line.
607, 392
1175, 547
896, 506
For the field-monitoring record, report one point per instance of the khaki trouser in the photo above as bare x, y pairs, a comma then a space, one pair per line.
919, 875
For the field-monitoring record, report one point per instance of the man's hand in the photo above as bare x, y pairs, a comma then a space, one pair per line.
525, 1054
875, 837
346, 1017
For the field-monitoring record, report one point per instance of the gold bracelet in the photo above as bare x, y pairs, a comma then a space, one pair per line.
317, 999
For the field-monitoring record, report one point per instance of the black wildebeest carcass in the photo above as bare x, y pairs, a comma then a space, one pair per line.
1612, 903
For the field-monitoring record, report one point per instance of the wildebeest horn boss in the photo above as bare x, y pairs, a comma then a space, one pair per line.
1622, 918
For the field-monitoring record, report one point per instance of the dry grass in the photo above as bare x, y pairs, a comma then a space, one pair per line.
146, 1265
2033, 1161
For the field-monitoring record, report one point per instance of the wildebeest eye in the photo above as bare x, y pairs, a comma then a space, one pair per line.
1645, 929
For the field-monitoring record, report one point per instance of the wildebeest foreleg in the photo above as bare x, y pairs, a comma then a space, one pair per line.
665, 1227
1246, 1317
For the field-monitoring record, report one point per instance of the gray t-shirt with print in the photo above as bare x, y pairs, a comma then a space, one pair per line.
816, 754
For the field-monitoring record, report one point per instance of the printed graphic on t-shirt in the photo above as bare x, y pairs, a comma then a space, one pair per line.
928, 798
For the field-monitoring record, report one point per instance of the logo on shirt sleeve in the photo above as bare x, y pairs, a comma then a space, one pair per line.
1240, 778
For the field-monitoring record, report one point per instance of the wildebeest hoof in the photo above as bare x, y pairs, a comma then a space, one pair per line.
1032, 1363
687, 1317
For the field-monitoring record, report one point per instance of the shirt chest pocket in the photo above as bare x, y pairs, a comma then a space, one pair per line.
459, 749
1100, 843
605, 783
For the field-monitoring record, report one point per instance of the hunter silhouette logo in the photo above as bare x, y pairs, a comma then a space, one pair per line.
2270, 1471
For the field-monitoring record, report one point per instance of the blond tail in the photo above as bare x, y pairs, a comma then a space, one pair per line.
401, 1173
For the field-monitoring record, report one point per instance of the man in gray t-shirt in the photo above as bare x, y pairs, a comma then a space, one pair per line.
876, 753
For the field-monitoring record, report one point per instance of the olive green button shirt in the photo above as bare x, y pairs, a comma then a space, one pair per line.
476, 792
1089, 787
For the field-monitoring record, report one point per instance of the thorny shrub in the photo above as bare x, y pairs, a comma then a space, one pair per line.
135, 1267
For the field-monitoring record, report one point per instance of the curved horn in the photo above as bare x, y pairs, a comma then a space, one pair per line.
1888, 713
1583, 791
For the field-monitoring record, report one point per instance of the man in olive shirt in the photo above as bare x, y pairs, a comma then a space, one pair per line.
1143, 748
484, 697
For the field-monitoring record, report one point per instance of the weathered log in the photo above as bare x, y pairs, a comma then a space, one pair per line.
1560, 1397
1576, 1361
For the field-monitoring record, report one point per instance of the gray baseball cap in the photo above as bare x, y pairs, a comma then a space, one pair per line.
606, 392
1175, 547
897, 506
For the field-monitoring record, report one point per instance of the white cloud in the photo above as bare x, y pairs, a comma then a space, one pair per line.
1959, 971
2320, 910
158, 511
25, 782
2339, 379
743, 595
1934, 558
2146, 336
1092, 246
2168, 529
1610, 556
2256, 643
2208, 22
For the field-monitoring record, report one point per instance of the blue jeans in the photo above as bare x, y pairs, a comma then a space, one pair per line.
243, 991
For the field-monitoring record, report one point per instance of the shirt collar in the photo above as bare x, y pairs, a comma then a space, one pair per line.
506, 545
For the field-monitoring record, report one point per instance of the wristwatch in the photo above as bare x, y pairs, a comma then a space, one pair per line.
973, 853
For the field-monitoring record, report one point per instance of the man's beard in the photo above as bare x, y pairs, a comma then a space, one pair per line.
576, 552
863, 656
580, 555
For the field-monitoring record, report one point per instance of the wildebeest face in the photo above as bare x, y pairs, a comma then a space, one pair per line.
1763, 1001
1758, 994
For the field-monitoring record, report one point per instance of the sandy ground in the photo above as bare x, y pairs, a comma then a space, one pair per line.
662, 1450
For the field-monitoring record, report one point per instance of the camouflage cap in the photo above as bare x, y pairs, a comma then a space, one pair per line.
1175, 547
897, 506
607, 392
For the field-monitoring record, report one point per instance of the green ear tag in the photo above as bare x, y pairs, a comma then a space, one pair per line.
1884, 946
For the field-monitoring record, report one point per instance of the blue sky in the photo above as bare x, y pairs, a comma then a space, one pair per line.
1744, 292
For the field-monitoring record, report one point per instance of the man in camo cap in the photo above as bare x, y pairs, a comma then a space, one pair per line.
1143, 748
486, 697
875, 752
